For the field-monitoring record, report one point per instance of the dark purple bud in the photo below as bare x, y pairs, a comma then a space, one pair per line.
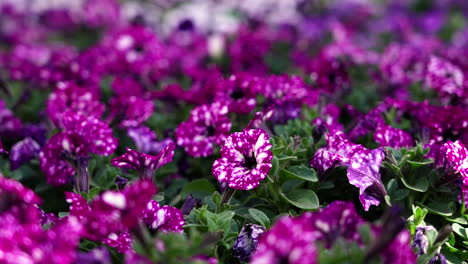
22, 152
247, 241
420, 240
318, 132
438, 259
121, 182
190, 203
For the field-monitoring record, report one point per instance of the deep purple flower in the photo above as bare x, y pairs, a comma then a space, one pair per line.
10, 125
144, 163
239, 92
130, 111
69, 96
146, 140
22, 152
245, 159
164, 218
420, 239
364, 173
283, 89
208, 125
328, 74
260, 118
247, 241
81, 136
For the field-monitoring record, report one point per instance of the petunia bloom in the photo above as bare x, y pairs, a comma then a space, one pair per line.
65, 150
22, 152
245, 159
145, 164
164, 218
247, 241
207, 126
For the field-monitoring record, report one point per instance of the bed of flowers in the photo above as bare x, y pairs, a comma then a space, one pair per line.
242, 131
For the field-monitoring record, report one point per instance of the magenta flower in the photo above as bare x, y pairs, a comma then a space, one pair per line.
81, 136
386, 135
294, 239
239, 92
10, 125
144, 163
445, 77
164, 218
69, 96
112, 213
289, 240
456, 160
130, 111
245, 159
22, 237
208, 125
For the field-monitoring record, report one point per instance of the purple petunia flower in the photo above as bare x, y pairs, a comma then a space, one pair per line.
10, 125
289, 240
164, 218
388, 136
247, 241
146, 141
22, 152
130, 111
22, 237
363, 166
207, 125
239, 93
144, 163
444, 77
245, 159
69, 96
81, 136
364, 174
293, 239
112, 213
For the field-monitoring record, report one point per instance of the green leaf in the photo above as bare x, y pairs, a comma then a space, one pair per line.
302, 198
260, 217
392, 186
400, 194
460, 230
418, 184
440, 208
198, 188
417, 164
93, 192
301, 172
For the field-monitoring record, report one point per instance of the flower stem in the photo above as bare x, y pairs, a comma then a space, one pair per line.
226, 197
82, 175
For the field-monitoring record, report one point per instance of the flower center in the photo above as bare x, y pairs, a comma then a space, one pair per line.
449, 135
210, 131
250, 161
237, 94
